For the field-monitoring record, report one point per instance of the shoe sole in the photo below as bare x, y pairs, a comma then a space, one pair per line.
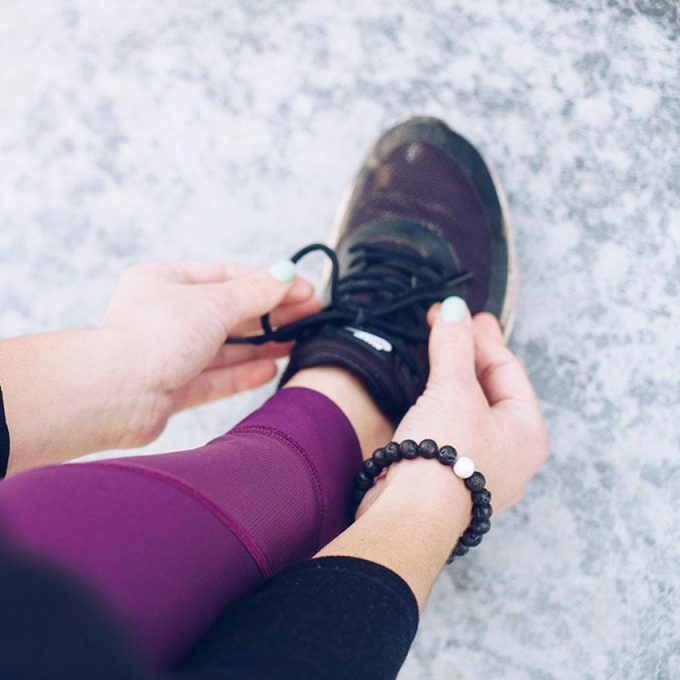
509, 310
509, 307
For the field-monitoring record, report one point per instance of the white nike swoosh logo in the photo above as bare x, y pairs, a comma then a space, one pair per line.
371, 339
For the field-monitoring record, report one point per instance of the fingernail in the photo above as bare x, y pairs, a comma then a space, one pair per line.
453, 309
283, 271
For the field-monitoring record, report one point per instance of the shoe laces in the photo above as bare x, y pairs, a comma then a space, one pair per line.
388, 286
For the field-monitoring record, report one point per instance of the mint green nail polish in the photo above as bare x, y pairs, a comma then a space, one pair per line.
284, 271
453, 309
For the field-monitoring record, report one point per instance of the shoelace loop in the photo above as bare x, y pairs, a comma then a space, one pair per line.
395, 281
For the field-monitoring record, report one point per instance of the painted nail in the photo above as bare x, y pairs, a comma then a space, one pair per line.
453, 309
283, 271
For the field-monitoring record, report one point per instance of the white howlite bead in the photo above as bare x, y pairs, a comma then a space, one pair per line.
464, 467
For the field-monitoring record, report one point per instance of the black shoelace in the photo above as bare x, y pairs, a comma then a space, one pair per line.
395, 283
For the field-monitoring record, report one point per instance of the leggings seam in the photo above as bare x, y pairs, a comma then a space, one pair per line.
316, 479
246, 539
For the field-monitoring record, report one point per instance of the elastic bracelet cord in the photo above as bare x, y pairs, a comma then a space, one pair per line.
462, 467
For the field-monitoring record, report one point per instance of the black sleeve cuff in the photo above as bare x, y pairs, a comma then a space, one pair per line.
330, 618
4, 439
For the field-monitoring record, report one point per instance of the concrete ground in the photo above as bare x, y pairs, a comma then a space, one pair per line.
135, 130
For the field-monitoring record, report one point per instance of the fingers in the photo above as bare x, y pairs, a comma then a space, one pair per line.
283, 314
208, 272
499, 373
452, 348
194, 271
220, 272
216, 383
203, 272
255, 293
230, 355
299, 291
489, 324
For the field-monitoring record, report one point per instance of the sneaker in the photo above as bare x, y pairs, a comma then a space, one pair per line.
424, 219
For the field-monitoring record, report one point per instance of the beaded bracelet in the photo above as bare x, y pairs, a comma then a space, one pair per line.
463, 467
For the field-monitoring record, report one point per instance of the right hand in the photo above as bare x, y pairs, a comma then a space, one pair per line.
479, 400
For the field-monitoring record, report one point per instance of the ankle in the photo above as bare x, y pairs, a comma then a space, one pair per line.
372, 428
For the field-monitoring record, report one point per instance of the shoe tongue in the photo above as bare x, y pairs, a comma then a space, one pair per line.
425, 253
366, 355
404, 235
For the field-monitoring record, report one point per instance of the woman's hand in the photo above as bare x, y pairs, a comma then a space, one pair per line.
159, 349
479, 400
176, 317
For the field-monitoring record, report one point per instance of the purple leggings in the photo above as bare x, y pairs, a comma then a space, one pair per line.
170, 539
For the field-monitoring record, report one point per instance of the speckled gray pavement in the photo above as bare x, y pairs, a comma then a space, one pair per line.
133, 130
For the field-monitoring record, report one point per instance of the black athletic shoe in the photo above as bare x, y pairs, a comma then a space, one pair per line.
424, 220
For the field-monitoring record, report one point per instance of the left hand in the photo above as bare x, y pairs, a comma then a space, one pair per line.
159, 349
175, 317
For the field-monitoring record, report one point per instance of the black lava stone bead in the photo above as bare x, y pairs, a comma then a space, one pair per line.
471, 539
447, 455
482, 497
475, 482
363, 481
480, 526
392, 452
371, 469
378, 458
427, 448
357, 497
481, 511
408, 449
460, 550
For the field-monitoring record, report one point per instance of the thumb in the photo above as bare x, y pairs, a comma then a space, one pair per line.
452, 348
256, 293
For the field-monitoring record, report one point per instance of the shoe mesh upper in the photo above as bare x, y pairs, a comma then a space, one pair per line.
419, 182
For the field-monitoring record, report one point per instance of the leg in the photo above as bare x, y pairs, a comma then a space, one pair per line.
170, 539
448, 241
353, 611
371, 426
423, 222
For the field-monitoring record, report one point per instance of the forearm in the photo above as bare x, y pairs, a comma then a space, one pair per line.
413, 524
66, 394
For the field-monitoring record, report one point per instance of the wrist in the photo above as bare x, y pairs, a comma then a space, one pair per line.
69, 393
132, 408
430, 492
422, 502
